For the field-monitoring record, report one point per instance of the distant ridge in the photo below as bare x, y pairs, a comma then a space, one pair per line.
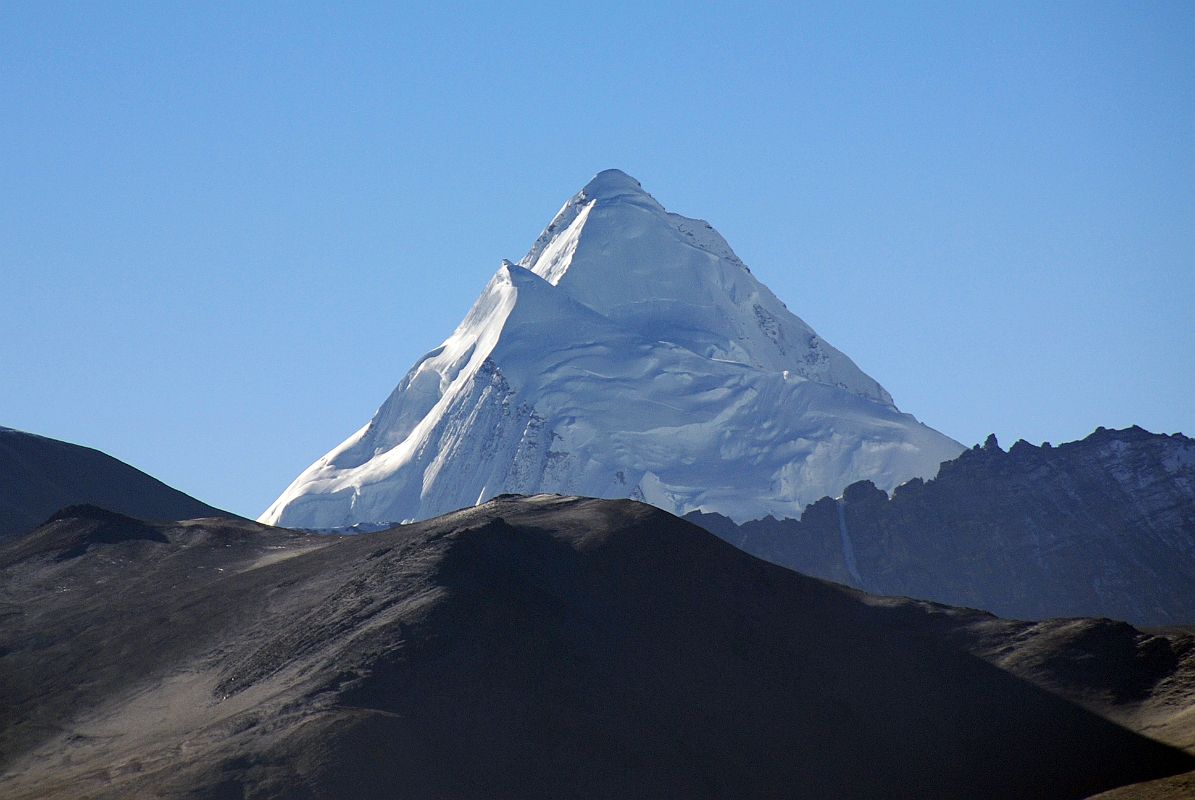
43, 475
1102, 527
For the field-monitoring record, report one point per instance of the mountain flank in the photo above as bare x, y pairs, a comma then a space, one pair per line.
42, 475
536, 647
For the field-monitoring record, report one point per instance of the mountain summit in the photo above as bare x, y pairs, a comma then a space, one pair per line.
630, 353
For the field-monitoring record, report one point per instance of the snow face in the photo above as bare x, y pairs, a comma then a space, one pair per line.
669, 278
629, 354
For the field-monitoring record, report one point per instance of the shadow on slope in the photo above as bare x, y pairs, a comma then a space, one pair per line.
557, 647
42, 475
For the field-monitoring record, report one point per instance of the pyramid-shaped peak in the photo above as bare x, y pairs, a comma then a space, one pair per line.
611, 183
630, 353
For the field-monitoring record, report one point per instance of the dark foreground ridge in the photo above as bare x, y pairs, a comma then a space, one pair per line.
541, 647
42, 475
1102, 527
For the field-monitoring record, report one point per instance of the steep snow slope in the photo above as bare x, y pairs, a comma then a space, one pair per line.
670, 278
629, 354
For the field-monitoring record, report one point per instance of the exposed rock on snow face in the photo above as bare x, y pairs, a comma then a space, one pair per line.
630, 353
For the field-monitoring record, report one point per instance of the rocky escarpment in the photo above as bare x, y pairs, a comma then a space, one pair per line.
1102, 527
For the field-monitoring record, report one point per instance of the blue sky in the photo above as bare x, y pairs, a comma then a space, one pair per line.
226, 233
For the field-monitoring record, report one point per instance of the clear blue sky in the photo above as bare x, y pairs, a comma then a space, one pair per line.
226, 233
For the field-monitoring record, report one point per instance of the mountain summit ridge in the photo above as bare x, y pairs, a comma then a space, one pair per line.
611, 183
678, 274
630, 353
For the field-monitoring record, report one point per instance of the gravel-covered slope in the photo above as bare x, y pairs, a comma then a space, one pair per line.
540, 647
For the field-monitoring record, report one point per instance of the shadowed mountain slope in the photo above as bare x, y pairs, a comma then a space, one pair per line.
42, 475
1102, 527
538, 647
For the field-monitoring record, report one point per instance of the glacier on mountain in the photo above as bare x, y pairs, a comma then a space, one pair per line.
630, 353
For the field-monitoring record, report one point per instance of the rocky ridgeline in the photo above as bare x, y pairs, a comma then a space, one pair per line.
1102, 527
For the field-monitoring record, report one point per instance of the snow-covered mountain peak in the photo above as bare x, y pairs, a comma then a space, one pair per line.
666, 276
612, 183
629, 354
